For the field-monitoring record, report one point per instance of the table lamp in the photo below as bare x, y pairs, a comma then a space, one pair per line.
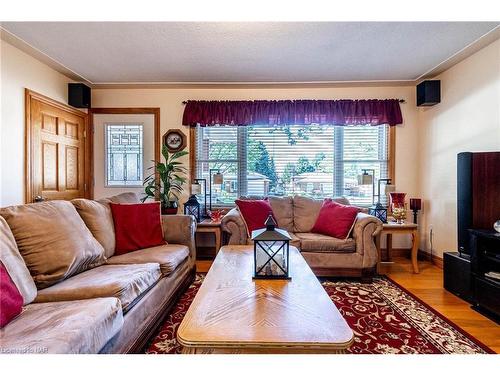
218, 179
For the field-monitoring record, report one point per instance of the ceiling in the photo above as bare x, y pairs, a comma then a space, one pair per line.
249, 52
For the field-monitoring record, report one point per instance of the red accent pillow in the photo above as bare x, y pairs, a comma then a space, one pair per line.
335, 219
11, 301
137, 226
254, 213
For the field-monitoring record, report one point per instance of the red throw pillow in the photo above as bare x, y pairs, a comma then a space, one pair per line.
254, 213
11, 301
137, 226
335, 219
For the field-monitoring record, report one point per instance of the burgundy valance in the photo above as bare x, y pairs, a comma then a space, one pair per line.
293, 112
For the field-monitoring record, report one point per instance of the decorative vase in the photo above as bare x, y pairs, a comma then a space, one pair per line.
398, 206
169, 209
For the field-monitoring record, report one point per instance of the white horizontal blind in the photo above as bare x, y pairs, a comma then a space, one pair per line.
316, 161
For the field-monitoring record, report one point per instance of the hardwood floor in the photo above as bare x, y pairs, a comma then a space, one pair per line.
428, 286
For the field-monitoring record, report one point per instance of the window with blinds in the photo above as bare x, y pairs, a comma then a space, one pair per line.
316, 161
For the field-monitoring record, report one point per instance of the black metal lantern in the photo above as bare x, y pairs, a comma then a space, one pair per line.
193, 207
379, 211
271, 251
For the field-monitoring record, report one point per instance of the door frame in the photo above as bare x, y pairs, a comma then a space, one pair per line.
28, 142
155, 111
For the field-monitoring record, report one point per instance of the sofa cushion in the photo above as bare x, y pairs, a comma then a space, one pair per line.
137, 226
254, 213
125, 282
335, 219
14, 264
98, 218
319, 243
283, 212
63, 327
11, 301
295, 241
306, 210
53, 240
168, 256
129, 197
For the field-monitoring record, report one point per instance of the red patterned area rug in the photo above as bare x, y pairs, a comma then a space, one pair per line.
385, 318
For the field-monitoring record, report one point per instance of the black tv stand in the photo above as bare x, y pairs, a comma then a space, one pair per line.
485, 248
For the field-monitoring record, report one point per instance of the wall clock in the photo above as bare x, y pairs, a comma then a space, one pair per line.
175, 140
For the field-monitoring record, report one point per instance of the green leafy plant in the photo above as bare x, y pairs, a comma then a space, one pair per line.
171, 177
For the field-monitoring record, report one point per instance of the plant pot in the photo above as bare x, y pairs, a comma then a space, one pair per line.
169, 209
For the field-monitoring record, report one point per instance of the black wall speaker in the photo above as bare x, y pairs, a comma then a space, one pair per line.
428, 93
78, 95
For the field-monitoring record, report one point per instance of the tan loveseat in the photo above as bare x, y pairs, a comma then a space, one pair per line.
80, 297
327, 256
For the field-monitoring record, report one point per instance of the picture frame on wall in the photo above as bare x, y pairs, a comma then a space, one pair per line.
175, 140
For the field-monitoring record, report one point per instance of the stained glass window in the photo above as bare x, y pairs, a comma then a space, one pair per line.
124, 154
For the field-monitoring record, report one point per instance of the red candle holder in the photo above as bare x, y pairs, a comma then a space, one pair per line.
415, 206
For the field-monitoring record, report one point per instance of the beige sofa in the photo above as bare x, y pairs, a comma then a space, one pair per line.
327, 256
101, 303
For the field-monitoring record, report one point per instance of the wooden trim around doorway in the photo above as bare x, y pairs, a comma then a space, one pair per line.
124, 111
28, 142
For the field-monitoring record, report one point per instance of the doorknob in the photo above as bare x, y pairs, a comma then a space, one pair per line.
39, 198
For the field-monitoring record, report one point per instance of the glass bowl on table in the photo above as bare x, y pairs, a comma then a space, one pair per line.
215, 215
398, 206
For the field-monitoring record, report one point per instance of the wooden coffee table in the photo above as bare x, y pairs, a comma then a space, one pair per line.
232, 313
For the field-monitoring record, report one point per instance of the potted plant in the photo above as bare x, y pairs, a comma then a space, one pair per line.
168, 185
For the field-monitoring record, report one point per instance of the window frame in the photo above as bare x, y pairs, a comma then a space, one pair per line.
106, 165
391, 162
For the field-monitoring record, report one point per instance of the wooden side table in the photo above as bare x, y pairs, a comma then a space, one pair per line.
214, 227
406, 228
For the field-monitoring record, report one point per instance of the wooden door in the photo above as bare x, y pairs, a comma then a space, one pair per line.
56, 150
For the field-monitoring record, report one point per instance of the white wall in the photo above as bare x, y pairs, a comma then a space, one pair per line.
20, 71
467, 119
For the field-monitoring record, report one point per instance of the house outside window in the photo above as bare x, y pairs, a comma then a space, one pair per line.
315, 161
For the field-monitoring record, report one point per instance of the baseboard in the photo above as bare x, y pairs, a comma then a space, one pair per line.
437, 261
402, 252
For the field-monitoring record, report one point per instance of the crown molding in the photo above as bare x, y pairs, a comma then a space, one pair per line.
27, 48
461, 55
247, 85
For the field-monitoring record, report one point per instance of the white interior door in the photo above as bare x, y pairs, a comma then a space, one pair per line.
123, 152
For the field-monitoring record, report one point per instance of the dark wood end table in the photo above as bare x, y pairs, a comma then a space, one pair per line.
214, 227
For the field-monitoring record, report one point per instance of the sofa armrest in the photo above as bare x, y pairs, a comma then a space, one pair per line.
366, 229
180, 229
233, 224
